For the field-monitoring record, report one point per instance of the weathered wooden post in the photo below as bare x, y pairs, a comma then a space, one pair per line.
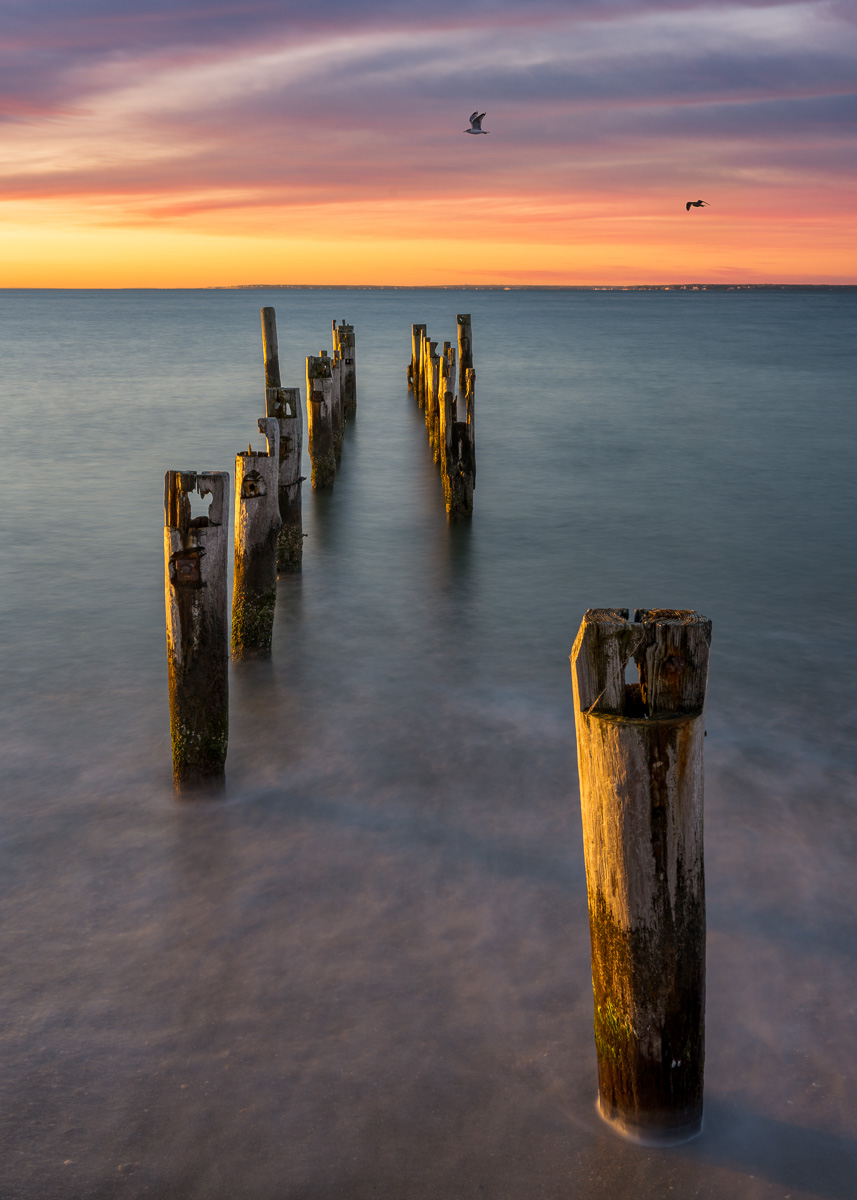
424, 352
284, 404
445, 425
257, 524
337, 421
450, 368
432, 391
270, 348
465, 349
344, 342
197, 627
414, 368
436, 434
639, 753
319, 386
459, 454
470, 421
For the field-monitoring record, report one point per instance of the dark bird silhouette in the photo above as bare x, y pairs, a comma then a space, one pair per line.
695, 204
476, 123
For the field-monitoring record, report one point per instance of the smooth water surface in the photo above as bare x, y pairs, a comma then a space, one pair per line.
365, 972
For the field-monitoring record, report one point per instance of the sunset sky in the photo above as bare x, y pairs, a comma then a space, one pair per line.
183, 143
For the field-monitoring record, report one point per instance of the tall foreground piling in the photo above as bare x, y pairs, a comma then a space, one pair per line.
197, 627
639, 751
257, 524
285, 405
344, 344
319, 385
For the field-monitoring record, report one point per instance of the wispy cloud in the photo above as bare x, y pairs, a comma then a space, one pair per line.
223, 114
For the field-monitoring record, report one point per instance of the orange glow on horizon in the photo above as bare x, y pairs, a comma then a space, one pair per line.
182, 241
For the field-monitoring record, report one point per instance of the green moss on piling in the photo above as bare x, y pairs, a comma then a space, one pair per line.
614, 1032
199, 749
253, 623
323, 472
290, 550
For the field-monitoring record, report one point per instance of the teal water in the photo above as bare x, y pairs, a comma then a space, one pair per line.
365, 971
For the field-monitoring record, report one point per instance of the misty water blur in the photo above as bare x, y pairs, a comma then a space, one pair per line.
365, 972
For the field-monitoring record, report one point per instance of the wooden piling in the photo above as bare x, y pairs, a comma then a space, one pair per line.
270, 348
320, 413
197, 628
639, 750
432, 399
285, 405
458, 455
424, 350
465, 349
337, 422
470, 421
436, 427
344, 342
414, 368
257, 525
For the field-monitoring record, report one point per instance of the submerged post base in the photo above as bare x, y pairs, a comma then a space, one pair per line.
210, 787
649, 1133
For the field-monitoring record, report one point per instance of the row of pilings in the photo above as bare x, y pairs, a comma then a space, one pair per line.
450, 417
268, 541
331, 387
639, 745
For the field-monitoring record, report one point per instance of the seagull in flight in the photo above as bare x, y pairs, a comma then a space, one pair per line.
694, 204
476, 123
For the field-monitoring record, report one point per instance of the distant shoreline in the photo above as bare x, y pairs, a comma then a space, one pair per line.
463, 287
541, 287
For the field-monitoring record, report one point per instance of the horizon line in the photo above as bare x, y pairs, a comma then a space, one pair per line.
443, 287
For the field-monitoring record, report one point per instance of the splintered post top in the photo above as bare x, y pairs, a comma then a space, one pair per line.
670, 648
178, 487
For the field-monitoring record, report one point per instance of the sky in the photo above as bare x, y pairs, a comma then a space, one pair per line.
190, 143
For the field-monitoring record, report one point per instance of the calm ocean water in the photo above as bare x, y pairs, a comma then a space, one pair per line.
365, 972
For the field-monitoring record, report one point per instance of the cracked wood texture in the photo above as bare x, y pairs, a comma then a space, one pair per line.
639, 750
197, 628
257, 525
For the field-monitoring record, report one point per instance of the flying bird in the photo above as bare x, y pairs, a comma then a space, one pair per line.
476, 123
691, 203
